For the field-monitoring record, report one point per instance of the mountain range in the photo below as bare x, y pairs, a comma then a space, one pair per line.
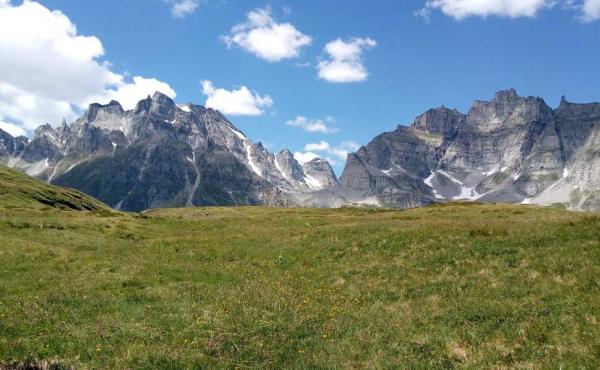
511, 149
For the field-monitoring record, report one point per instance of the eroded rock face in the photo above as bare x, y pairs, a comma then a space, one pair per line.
11, 146
319, 174
159, 155
510, 149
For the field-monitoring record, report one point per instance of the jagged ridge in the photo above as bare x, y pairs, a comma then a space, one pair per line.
511, 149
162, 155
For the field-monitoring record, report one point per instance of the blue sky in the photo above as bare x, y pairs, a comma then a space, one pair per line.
450, 56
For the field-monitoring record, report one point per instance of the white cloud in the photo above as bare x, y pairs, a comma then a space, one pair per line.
345, 60
305, 157
340, 151
318, 125
12, 129
591, 10
262, 36
461, 9
181, 8
320, 146
130, 94
47, 70
239, 102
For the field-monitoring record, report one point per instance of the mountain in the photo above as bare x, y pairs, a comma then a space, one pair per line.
20, 191
511, 149
162, 155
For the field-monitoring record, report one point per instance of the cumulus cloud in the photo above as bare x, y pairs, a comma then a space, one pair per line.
320, 146
181, 8
48, 71
317, 125
12, 129
340, 151
262, 36
461, 9
130, 94
304, 157
590, 10
238, 102
344, 63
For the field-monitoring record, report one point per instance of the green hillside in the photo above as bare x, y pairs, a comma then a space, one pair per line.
453, 286
18, 190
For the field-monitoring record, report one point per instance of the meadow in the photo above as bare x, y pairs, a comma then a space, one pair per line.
459, 285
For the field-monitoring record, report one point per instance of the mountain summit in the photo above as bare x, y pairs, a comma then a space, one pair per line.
161, 155
511, 149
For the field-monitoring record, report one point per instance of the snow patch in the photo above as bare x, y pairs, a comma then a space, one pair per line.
186, 108
387, 172
428, 182
278, 167
313, 183
37, 168
466, 192
493, 171
429, 179
251, 163
565, 172
238, 134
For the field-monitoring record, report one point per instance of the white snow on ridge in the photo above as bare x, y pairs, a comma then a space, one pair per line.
387, 172
565, 172
466, 192
238, 134
428, 180
278, 167
37, 167
491, 172
313, 183
450, 177
251, 163
186, 108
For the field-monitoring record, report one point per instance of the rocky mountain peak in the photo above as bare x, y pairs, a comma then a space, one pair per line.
289, 166
319, 174
439, 121
509, 94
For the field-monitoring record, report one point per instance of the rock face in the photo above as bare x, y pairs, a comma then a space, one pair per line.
319, 174
161, 155
510, 149
11, 146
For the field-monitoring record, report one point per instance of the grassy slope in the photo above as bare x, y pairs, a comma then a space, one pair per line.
21, 191
466, 286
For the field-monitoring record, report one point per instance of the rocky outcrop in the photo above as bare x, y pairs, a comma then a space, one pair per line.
11, 146
510, 149
318, 174
161, 155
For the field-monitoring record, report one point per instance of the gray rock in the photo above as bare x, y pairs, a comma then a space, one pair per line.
510, 149
160, 155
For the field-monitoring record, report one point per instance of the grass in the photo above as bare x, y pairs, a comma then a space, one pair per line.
20, 191
451, 286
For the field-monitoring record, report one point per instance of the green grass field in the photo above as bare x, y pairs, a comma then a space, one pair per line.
453, 286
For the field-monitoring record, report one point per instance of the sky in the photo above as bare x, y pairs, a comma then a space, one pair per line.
318, 77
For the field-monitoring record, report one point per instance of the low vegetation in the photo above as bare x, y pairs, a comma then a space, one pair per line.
450, 286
